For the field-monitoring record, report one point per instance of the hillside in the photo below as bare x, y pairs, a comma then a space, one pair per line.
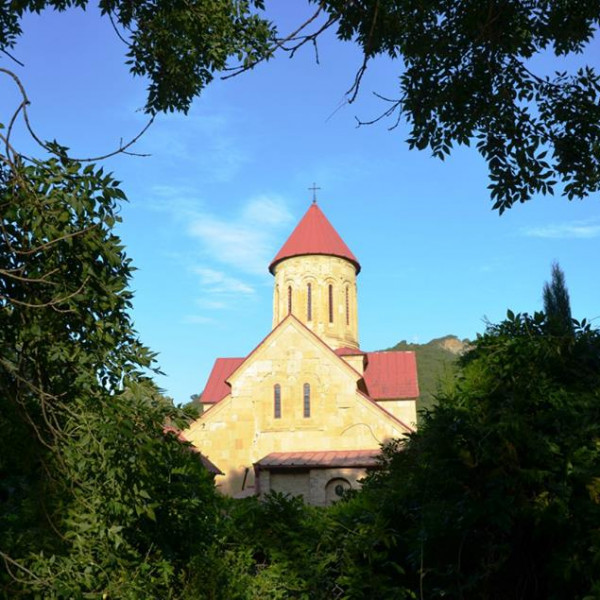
436, 364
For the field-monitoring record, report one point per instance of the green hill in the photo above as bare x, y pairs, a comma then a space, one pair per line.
436, 364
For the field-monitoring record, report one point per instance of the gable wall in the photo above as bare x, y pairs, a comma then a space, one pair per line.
405, 410
242, 429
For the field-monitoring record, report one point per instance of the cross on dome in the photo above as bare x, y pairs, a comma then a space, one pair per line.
314, 189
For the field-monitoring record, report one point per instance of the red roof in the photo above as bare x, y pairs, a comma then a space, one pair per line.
319, 460
387, 376
391, 375
314, 235
216, 389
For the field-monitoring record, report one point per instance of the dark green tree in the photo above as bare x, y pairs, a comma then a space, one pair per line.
94, 497
467, 77
497, 495
177, 46
557, 304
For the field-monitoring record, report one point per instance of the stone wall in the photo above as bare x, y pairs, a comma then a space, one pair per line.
320, 272
319, 487
242, 428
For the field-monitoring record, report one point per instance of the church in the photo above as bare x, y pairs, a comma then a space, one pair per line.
305, 413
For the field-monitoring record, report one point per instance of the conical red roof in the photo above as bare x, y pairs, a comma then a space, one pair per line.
314, 235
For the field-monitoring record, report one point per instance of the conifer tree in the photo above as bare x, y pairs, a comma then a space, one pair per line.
557, 304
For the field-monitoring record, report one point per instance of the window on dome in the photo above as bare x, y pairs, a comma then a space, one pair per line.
347, 306
289, 299
330, 303
306, 400
277, 401
308, 302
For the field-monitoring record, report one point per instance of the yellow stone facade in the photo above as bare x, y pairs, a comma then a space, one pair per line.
242, 428
293, 393
320, 291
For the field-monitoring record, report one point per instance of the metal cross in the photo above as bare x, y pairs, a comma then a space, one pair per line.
314, 189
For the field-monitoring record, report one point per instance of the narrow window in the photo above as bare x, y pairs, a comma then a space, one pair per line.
306, 400
277, 401
347, 306
289, 299
330, 303
309, 302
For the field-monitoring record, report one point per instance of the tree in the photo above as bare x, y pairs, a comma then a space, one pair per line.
497, 495
466, 74
94, 497
557, 304
178, 46
91, 489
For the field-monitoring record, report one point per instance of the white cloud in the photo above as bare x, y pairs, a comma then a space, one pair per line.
246, 242
233, 248
267, 211
220, 283
574, 229
180, 201
211, 304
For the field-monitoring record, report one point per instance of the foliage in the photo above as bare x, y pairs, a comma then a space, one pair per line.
269, 549
496, 496
178, 46
467, 73
557, 304
94, 498
468, 76
280, 548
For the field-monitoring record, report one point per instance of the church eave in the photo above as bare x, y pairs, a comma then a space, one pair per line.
277, 260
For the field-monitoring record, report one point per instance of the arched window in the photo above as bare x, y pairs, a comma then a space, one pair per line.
309, 302
330, 303
306, 400
347, 306
277, 401
289, 299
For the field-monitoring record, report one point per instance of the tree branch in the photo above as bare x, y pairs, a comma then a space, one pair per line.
122, 149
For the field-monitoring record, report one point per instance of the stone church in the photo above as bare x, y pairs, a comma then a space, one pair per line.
306, 411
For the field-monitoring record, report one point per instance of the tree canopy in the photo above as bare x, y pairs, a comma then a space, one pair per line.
95, 497
466, 72
497, 494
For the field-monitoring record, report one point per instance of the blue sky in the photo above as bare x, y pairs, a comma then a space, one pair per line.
225, 185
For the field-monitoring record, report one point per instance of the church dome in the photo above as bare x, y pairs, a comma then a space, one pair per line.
314, 234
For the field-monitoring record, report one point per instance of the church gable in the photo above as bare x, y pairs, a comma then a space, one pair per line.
292, 378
